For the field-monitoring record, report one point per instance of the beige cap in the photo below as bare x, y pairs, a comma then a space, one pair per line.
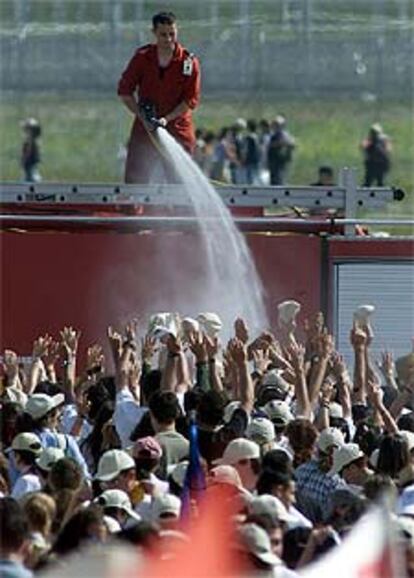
210, 323
345, 455
117, 499
330, 437
287, 311
261, 430
166, 504
278, 411
112, 463
257, 542
48, 457
237, 450
270, 506
225, 475
27, 442
40, 404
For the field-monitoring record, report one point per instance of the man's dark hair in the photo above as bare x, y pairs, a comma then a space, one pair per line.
27, 457
65, 473
210, 410
326, 170
268, 479
14, 528
164, 407
277, 460
163, 18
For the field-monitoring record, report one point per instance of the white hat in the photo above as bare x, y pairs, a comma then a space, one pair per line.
405, 505
178, 472
274, 378
112, 525
112, 463
241, 122
27, 442
210, 323
162, 324
345, 455
363, 312
226, 475
329, 437
335, 410
287, 311
237, 450
409, 438
117, 499
189, 324
39, 404
230, 409
166, 504
257, 542
261, 430
269, 505
48, 457
278, 411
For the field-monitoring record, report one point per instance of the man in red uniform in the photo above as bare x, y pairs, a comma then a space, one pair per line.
167, 76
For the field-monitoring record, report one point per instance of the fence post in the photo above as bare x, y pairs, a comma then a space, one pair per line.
347, 179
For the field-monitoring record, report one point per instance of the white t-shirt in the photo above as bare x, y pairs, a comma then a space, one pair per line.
24, 484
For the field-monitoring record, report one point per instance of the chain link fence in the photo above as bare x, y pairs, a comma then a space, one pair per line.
295, 48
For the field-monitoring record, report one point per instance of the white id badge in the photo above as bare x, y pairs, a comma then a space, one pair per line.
188, 67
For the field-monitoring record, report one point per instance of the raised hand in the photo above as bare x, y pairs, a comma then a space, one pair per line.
52, 354
70, 341
131, 329
241, 330
198, 346
238, 351
94, 357
148, 348
10, 362
40, 346
297, 357
374, 393
212, 345
358, 337
386, 364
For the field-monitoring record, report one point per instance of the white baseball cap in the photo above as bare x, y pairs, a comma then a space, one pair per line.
237, 450
409, 438
112, 463
363, 312
27, 442
287, 311
261, 430
330, 437
48, 457
345, 455
270, 506
335, 410
39, 404
210, 323
257, 542
166, 504
230, 409
278, 411
117, 499
274, 378
225, 475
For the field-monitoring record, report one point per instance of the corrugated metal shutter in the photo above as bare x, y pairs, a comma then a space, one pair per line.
387, 285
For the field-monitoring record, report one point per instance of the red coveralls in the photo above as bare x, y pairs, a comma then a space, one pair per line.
165, 88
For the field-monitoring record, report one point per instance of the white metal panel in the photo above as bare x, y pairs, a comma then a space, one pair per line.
389, 286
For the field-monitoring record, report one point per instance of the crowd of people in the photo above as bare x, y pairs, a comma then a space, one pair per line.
128, 448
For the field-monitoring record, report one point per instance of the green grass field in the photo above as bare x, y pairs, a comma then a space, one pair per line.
82, 135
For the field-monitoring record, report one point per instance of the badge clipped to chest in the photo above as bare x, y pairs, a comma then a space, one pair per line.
188, 66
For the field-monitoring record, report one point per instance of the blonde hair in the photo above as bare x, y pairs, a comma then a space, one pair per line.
40, 510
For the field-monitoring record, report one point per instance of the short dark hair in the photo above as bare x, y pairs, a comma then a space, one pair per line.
326, 170
163, 18
270, 478
14, 528
164, 407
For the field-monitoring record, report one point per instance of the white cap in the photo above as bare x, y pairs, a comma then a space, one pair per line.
269, 505
230, 409
330, 437
112, 525
48, 457
112, 463
39, 404
287, 311
162, 324
166, 504
409, 438
257, 542
27, 442
278, 411
189, 324
274, 378
261, 430
335, 410
237, 450
117, 499
225, 475
210, 323
241, 122
363, 312
345, 455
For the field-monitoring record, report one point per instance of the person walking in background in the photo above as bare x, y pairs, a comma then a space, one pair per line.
165, 77
280, 151
251, 153
30, 155
377, 156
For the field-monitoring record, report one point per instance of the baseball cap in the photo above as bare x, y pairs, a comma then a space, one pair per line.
225, 475
330, 437
117, 499
345, 455
270, 506
237, 450
147, 447
189, 324
335, 410
363, 312
112, 463
27, 442
274, 378
287, 310
161, 324
278, 411
261, 430
409, 438
210, 323
48, 457
40, 404
166, 504
257, 542
230, 409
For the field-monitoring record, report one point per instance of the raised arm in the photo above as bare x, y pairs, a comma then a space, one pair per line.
238, 352
70, 341
297, 357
